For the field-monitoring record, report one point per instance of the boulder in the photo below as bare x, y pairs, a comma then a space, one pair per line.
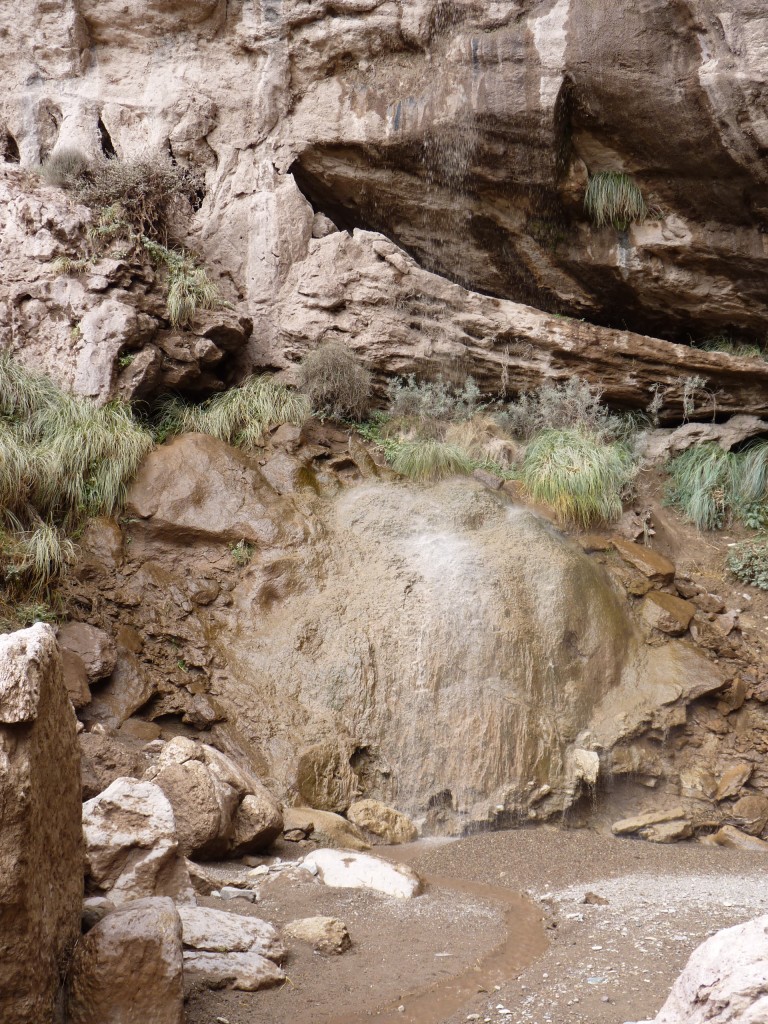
41, 847
247, 972
324, 828
343, 870
221, 808
75, 679
651, 564
199, 488
323, 934
642, 822
734, 839
391, 825
128, 969
325, 779
666, 613
724, 981
218, 931
95, 648
131, 845
750, 813
129, 688
106, 758
732, 779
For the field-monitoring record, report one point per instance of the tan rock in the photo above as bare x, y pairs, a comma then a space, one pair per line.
735, 839
257, 823
750, 813
127, 690
325, 828
131, 846
389, 824
668, 831
642, 821
106, 758
651, 564
324, 934
75, 679
666, 613
732, 779
203, 808
247, 972
325, 779
128, 968
41, 844
93, 646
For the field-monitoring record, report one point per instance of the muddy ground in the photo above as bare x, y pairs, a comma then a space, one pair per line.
471, 945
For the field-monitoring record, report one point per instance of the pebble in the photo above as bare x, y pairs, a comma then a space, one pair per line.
229, 892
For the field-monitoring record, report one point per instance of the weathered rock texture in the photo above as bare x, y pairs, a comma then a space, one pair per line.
724, 981
465, 132
128, 969
41, 852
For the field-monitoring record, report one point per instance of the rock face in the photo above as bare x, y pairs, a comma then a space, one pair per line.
724, 982
464, 133
128, 969
131, 846
41, 853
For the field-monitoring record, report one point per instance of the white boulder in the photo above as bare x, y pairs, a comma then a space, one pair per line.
344, 869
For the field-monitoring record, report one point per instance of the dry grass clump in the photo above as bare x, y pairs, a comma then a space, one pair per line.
581, 478
575, 405
612, 197
189, 287
336, 382
240, 416
62, 458
426, 459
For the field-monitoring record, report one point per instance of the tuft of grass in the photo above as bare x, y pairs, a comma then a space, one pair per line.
242, 553
740, 349
428, 459
613, 198
62, 458
748, 561
711, 486
189, 287
66, 168
240, 416
336, 382
581, 478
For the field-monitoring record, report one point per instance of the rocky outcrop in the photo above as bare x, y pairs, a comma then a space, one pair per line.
41, 853
128, 969
724, 981
464, 133
132, 851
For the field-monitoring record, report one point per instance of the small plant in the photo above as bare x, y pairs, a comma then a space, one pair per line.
748, 561
65, 168
189, 287
723, 343
613, 198
579, 477
126, 360
691, 388
240, 416
336, 382
242, 553
711, 486
433, 400
575, 404
428, 460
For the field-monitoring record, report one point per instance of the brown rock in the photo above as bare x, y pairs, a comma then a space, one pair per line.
732, 779
41, 842
734, 839
709, 603
374, 816
325, 828
75, 678
750, 813
324, 934
668, 831
651, 564
92, 645
257, 823
642, 821
128, 969
324, 777
495, 483
666, 613
127, 690
106, 758
203, 808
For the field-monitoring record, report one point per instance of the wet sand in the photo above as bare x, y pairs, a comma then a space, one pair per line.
503, 932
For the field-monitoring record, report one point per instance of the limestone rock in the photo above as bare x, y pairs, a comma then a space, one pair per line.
246, 972
668, 831
198, 488
732, 779
75, 679
218, 931
651, 564
257, 823
93, 646
41, 852
750, 813
106, 758
666, 613
324, 934
324, 828
127, 690
724, 981
736, 840
343, 870
95, 909
391, 825
324, 777
131, 845
128, 968
641, 822
203, 808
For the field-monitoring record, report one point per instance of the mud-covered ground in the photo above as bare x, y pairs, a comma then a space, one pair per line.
470, 945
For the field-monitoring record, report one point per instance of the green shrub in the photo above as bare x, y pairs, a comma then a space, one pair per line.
612, 197
428, 460
336, 382
62, 458
433, 400
748, 561
574, 405
189, 287
711, 486
66, 168
240, 416
581, 478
